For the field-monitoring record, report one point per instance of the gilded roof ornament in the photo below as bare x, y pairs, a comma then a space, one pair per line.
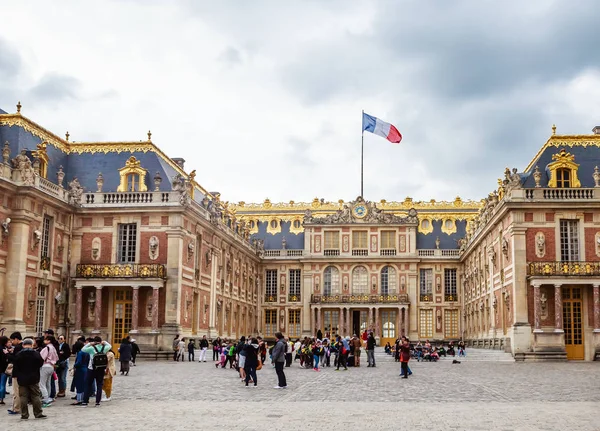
553, 129
19, 107
149, 136
67, 136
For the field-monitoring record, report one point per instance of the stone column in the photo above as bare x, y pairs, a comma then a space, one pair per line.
370, 319
558, 309
318, 320
537, 307
135, 309
402, 315
155, 293
377, 323
98, 311
78, 308
596, 308
340, 322
16, 267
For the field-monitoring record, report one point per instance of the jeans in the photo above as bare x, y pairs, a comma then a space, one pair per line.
46, 381
371, 357
250, 374
342, 360
62, 376
191, 356
280, 374
3, 379
316, 362
91, 377
408, 368
404, 369
215, 355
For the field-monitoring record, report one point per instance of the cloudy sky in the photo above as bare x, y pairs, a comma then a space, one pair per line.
264, 99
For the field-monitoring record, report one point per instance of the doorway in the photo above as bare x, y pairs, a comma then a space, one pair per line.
359, 322
122, 307
572, 322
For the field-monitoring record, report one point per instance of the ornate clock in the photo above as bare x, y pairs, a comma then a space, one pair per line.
360, 210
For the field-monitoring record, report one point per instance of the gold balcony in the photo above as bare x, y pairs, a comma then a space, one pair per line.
562, 269
125, 270
360, 299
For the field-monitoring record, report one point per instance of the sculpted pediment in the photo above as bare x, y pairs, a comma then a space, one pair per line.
360, 211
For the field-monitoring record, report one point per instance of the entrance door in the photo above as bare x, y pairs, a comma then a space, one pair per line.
359, 322
122, 305
572, 322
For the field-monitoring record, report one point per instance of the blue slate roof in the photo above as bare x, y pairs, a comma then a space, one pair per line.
586, 157
273, 242
446, 241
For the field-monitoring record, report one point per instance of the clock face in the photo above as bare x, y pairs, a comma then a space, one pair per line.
359, 210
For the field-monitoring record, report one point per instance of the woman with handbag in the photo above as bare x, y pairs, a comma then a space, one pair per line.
252, 361
109, 373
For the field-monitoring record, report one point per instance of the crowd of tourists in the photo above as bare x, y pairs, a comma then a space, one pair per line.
33, 367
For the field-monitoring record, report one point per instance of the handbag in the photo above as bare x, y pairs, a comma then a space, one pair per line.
259, 366
9, 370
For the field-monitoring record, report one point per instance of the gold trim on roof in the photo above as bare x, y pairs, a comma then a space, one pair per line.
565, 141
69, 147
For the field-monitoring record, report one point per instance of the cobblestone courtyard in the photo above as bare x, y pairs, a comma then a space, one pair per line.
478, 395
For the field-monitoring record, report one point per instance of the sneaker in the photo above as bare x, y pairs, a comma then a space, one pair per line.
46, 405
24, 418
277, 387
83, 405
97, 404
12, 412
41, 417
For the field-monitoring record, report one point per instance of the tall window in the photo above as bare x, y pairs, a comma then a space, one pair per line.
270, 322
294, 323
426, 323
388, 239
45, 240
450, 284
388, 280
360, 281
359, 239
451, 324
294, 285
332, 240
563, 178
271, 285
425, 283
40, 310
127, 243
569, 240
133, 183
331, 281
388, 319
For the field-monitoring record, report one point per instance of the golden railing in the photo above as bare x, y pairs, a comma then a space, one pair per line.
125, 270
360, 299
584, 269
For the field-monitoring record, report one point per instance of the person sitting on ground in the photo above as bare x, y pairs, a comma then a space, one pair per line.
434, 355
388, 348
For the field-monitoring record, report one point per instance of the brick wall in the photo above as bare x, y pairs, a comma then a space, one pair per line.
145, 247
590, 244
105, 247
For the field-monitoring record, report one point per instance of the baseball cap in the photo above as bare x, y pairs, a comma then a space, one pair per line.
49, 332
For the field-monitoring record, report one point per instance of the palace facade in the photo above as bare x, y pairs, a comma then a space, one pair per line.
117, 238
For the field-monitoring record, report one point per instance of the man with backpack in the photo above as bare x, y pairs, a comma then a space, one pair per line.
278, 358
97, 349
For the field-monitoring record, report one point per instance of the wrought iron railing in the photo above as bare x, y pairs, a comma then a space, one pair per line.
426, 298
294, 298
126, 270
360, 299
450, 298
583, 269
270, 298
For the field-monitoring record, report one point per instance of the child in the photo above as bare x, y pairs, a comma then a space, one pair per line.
191, 348
317, 351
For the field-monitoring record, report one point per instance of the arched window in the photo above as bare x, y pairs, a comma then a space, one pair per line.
563, 178
360, 281
133, 183
388, 281
331, 281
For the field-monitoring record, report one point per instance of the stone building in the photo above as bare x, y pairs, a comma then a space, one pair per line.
117, 238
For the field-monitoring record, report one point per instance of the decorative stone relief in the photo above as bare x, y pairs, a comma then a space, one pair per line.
345, 243
598, 244
505, 247
282, 319
402, 243
153, 247
543, 305
317, 284
373, 243
96, 248
540, 244
75, 192
318, 244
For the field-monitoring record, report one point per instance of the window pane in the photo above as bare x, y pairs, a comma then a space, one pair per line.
450, 282
426, 323
425, 280
331, 281
388, 239
332, 240
127, 239
359, 239
360, 281
569, 240
271, 284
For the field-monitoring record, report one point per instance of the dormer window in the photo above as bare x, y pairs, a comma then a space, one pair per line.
133, 183
563, 171
133, 177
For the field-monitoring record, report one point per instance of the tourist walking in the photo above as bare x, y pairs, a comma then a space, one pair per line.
251, 363
111, 371
404, 357
175, 347
289, 353
356, 345
216, 349
50, 357
181, 350
80, 368
241, 357
278, 357
203, 349
317, 351
125, 355
343, 348
27, 366
97, 349
371, 350
135, 349
64, 353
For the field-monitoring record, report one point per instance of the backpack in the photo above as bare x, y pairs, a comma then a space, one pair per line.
100, 360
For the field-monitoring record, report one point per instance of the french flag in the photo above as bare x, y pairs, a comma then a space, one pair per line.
381, 128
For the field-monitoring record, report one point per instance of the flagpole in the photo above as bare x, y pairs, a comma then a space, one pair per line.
362, 151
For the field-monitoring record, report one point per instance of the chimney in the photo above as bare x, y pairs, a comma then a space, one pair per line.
596, 130
180, 162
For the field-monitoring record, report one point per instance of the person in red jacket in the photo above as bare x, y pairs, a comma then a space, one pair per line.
404, 357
